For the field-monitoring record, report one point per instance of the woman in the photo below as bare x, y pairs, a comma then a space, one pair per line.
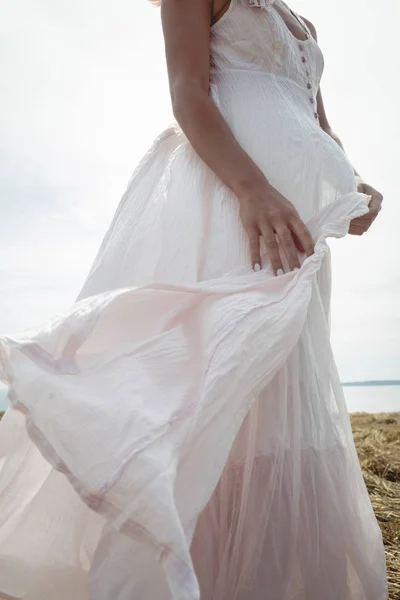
186, 432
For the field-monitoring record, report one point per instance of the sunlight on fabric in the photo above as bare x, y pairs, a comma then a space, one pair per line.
79, 115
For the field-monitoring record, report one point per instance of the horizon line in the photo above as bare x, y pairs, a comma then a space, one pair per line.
373, 382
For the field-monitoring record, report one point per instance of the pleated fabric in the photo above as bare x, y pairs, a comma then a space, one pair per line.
180, 431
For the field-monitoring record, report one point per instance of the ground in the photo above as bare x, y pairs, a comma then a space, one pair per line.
377, 438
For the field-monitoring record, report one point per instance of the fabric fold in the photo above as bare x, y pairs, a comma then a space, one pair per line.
194, 359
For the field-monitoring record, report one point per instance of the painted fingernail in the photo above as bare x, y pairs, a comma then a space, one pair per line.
296, 269
257, 267
279, 272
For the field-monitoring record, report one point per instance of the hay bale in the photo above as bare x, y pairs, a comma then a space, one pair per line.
377, 439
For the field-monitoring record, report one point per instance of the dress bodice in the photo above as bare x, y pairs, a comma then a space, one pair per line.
252, 36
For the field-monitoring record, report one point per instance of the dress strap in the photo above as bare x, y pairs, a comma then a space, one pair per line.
302, 22
222, 15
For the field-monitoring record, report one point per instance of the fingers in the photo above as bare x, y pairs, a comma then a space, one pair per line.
254, 241
280, 226
286, 239
272, 248
270, 244
360, 225
303, 234
354, 230
289, 244
371, 191
375, 204
297, 242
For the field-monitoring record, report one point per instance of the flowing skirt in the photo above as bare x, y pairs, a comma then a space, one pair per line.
181, 429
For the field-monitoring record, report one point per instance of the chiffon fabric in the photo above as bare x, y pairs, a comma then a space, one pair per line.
180, 430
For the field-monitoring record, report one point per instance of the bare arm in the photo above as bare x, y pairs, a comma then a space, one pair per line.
263, 210
186, 27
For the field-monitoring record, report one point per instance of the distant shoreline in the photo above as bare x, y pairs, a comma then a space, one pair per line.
372, 382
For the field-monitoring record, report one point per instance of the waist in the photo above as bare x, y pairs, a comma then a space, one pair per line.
226, 74
271, 94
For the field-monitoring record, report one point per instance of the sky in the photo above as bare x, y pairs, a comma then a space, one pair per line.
83, 93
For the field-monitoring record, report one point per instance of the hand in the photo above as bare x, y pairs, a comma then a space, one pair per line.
360, 225
265, 212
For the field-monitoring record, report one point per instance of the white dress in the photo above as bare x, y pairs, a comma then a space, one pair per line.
182, 428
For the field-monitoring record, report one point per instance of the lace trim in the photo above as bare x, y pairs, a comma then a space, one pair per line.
261, 3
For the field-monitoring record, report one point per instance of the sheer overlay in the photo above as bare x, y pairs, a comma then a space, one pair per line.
181, 429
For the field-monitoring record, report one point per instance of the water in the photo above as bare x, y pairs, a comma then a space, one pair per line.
371, 398
374, 398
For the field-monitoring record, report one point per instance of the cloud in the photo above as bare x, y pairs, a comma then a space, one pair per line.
83, 94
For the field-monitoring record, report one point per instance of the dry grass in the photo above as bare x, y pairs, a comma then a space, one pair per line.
377, 438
